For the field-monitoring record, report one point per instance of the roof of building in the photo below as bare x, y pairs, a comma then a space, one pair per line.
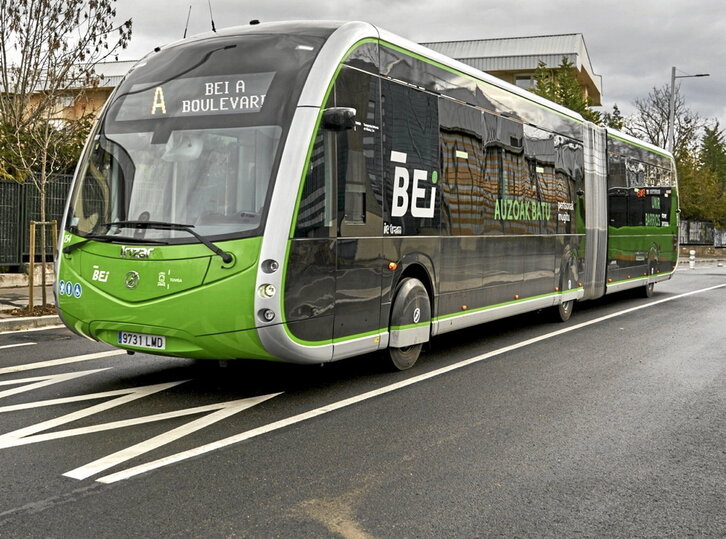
111, 73
523, 54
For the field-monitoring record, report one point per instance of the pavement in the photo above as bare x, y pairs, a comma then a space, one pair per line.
16, 297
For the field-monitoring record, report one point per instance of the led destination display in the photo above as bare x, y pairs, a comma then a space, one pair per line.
198, 96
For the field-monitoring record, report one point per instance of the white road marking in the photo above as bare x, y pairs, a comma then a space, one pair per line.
14, 438
224, 410
40, 381
178, 457
113, 425
17, 345
64, 400
44, 328
62, 361
28, 435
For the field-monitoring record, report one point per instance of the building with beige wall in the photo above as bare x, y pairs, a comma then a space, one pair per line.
515, 59
78, 103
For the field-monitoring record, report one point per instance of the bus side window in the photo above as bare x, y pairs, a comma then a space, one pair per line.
462, 168
316, 210
358, 156
493, 172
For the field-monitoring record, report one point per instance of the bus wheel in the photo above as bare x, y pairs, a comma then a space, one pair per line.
564, 310
410, 324
404, 358
648, 290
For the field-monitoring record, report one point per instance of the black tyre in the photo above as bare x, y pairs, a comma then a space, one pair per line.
647, 290
404, 358
564, 310
410, 324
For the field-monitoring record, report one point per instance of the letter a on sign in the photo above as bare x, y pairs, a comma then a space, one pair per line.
158, 101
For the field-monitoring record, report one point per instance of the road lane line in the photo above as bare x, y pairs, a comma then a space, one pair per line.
64, 400
41, 381
224, 410
11, 439
44, 328
61, 361
17, 345
113, 425
277, 425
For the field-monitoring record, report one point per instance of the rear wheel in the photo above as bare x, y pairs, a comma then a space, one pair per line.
647, 290
410, 324
564, 310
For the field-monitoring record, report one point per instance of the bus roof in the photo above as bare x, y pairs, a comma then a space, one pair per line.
344, 35
629, 139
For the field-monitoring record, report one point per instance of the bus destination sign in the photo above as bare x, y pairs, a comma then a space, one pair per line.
197, 96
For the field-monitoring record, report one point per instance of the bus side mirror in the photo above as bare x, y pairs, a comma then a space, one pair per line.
339, 118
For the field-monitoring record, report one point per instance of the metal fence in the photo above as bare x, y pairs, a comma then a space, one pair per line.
701, 233
20, 204
719, 237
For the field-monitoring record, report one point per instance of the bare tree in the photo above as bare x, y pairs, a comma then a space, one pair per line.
49, 50
650, 121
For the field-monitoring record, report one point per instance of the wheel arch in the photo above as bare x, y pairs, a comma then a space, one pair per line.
419, 267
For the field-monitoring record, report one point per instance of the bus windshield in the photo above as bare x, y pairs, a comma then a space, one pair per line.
192, 137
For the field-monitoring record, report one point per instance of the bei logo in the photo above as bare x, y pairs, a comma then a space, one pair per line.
409, 190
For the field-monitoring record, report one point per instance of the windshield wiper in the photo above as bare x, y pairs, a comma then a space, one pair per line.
105, 237
160, 225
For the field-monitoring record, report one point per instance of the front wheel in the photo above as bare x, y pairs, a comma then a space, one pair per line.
404, 358
410, 324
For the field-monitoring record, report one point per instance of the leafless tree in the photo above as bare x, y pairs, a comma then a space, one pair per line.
650, 121
49, 50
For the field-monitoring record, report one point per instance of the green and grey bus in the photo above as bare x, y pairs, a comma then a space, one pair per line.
311, 191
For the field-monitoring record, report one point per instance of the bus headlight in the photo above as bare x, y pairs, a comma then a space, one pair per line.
267, 290
270, 266
266, 315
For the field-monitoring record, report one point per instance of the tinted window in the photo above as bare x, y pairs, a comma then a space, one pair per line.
411, 160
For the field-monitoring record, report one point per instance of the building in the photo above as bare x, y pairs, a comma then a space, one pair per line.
76, 104
515, 59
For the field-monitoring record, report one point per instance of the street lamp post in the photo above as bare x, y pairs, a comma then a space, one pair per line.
672, 109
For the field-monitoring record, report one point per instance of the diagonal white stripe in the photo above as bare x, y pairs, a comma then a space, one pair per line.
17, 345
14, 438
62, 361
41, 381
227, 409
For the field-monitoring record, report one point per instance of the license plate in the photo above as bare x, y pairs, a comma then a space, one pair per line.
142, 340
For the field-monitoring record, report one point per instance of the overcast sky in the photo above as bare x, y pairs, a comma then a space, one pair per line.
632, 43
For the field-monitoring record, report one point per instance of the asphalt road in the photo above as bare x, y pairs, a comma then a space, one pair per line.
611, 425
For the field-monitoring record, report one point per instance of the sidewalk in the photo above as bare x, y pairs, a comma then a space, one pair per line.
12, 298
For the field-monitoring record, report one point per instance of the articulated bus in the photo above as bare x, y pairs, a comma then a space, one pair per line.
311, 191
